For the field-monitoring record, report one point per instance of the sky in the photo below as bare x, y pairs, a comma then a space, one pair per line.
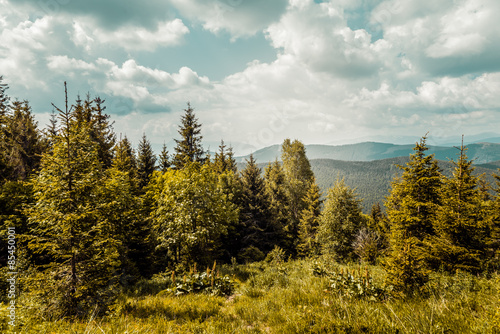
259, 71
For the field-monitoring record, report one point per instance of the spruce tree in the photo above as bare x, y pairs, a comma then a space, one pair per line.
4, 107
462, 221
189, 147
257, 232
124, 160
146, 161
340, 221
69, 225
224, 160
411, 209
164, 159
24, 144
309, 222
276, 191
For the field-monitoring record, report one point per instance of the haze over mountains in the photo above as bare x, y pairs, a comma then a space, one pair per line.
369, 151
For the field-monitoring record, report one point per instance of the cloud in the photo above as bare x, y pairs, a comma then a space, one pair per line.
147, 88
318, 35
238, 17
110, 14
443, 37
130, 38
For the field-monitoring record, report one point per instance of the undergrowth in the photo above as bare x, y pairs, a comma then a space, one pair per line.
301, 296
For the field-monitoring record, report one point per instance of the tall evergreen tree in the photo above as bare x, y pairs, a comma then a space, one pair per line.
68, 225
411, 208
299, 177
309, 222
257, 231
340, 221
462, 221
276, 191
146, 161
189, 148
24, 143
164, 159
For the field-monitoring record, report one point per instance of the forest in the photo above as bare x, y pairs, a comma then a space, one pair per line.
99, 236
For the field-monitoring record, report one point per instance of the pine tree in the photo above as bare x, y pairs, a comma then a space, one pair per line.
462, 223
68, 224
340, 221
146, 161
189, 148
299, 177
102, 132
164, 159
4, 99
124, 160
411, 208
309, 222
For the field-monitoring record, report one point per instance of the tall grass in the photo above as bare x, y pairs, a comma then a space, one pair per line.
287, 298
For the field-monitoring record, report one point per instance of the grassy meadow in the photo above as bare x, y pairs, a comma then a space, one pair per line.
299, 296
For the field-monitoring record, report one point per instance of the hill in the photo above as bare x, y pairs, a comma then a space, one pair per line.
372, 179
369, 151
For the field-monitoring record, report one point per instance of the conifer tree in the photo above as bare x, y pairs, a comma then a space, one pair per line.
309, 222
124, 160
224, 160
146, 161
67, 224
189, 147
164, 159
257, 232
411, 208
275, 185
462, 221
299, 177
340, 221
24, 146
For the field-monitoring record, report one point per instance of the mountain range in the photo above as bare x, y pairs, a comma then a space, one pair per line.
481, 153
370, 167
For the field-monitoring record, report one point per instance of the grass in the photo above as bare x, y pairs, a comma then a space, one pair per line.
288, 298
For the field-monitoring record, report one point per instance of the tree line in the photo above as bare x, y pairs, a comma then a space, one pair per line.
94, 215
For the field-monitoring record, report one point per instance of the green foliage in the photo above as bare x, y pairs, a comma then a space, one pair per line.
356, 285
208, 282
368, 245
189, 148
406, 270
68, 226
462, 222
256, 230
164, 159
411, 208
224, 159
298, 179
190, 212
340, 221
146, 161
309, 222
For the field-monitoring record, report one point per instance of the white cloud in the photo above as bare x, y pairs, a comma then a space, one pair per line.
238, 17
318, 35
130, 38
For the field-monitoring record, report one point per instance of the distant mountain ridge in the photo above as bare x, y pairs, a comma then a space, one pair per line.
372, 179
482, 153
